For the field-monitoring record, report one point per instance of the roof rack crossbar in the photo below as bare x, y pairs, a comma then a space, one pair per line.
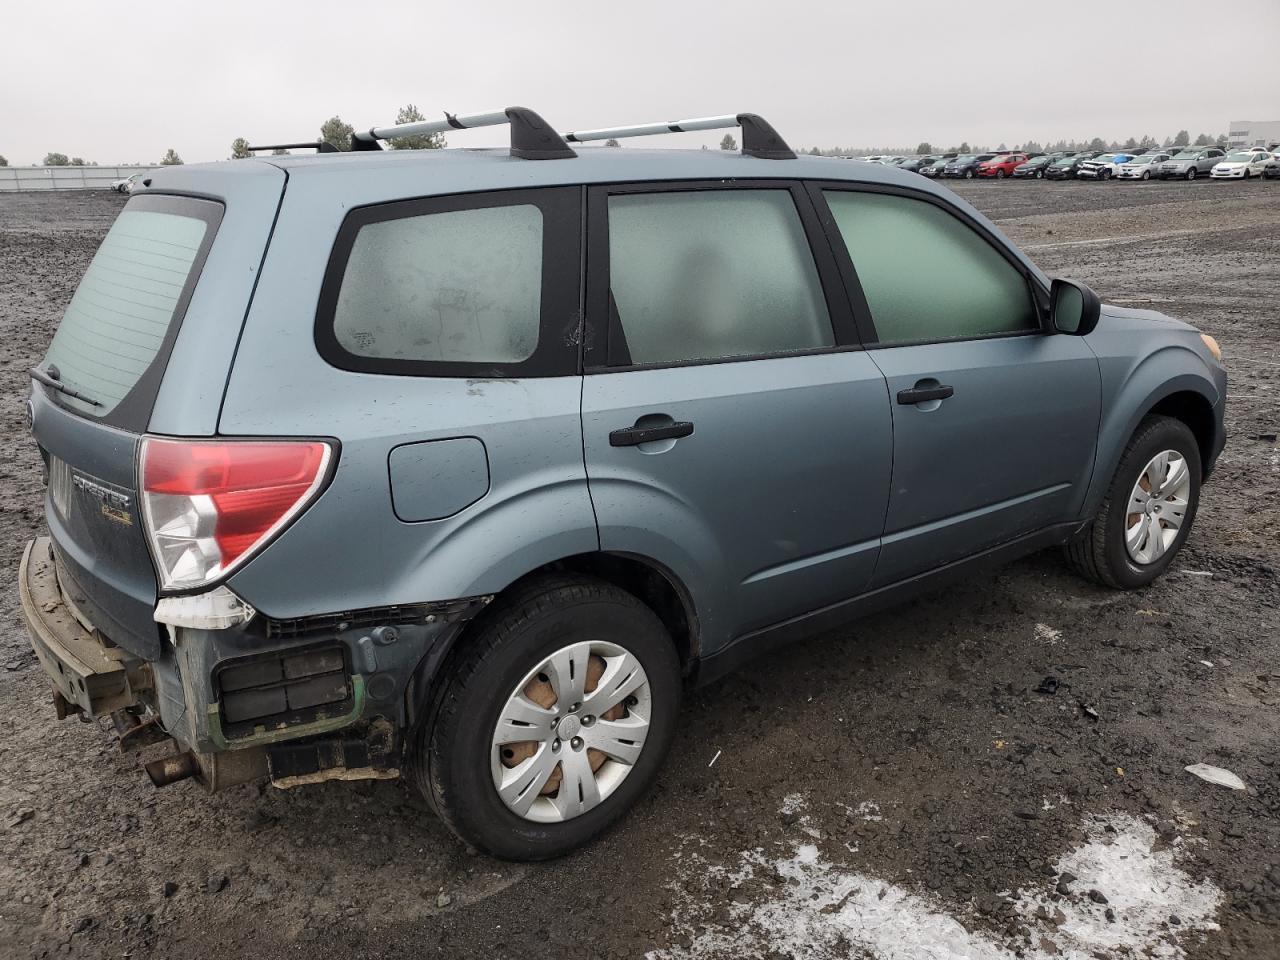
531, 137
759, 139
321, 146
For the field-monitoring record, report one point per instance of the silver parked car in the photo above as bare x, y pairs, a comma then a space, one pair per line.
1191, 162
458, 465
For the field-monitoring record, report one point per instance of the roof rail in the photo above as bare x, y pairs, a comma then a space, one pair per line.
759, 139
531, 137
320, 146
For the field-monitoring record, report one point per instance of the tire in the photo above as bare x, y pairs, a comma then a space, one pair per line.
968, 174
455, 754
1191, 174
1099, 552
1039, 174
999, 174
1146, 174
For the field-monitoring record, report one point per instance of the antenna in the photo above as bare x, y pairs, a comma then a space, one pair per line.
759, 139
531, 137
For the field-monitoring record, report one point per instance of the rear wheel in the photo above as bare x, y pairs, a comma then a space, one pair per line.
1148, 511
552, 721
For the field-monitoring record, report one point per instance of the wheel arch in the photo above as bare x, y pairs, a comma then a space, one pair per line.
648, 580
1187, 397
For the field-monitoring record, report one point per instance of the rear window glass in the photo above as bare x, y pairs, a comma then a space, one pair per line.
119, 319
460, 286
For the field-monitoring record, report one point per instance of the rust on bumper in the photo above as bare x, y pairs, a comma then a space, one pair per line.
88, 673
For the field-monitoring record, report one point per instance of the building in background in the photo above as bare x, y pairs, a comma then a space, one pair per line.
1253, 133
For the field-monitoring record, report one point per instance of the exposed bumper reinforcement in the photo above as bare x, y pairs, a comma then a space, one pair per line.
93, 677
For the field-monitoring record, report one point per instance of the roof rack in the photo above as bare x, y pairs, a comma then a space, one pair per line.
320, 146
531, 137
759, 139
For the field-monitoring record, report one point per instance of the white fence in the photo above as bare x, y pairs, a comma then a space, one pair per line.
63, 178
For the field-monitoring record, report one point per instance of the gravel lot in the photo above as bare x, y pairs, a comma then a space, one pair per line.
901, 789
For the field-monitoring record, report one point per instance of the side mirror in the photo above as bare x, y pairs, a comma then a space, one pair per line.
1073, 308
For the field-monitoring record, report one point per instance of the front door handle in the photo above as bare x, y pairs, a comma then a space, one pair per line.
920, 394
634, 436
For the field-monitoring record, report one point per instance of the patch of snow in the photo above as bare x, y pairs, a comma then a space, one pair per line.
869, 811
819, 911
1047, 634
793, 803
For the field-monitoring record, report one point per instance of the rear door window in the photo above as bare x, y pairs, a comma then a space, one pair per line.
121, 322
713, 274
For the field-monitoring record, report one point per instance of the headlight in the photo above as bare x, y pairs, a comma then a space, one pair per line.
1212, 344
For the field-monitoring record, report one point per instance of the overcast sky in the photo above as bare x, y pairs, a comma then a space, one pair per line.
122, 82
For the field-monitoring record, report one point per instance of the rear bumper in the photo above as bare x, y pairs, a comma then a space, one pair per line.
91, 676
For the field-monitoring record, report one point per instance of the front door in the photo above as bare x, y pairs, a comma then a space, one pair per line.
733, 431
995, 419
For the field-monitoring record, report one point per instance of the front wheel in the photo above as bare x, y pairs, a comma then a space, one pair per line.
999, 174
1146, 174
1039, 174
968, 174
552, 721
1191, 174
1148, 511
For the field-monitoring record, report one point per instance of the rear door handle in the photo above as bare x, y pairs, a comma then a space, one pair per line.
634, 436
924, 394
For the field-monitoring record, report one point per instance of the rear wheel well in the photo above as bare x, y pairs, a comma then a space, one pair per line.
655, 587
1196, 412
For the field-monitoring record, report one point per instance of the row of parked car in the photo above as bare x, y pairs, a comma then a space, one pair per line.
1162, 163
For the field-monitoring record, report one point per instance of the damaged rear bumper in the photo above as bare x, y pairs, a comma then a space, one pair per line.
300, 701
89, 675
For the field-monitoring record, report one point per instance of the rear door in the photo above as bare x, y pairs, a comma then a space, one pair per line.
733, 428
995, 418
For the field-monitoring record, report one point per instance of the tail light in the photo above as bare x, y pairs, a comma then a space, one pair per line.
208, 506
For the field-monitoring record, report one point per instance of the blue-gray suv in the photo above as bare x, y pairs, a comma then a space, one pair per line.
459, 464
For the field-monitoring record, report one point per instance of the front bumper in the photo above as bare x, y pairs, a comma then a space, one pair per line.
90, 676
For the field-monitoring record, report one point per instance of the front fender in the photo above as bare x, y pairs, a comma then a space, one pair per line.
1131, 390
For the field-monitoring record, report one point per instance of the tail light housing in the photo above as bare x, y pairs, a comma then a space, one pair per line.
210, 505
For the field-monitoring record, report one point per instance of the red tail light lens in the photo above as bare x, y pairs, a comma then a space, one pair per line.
209, 505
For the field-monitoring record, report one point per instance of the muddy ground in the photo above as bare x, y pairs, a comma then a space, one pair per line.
906, 771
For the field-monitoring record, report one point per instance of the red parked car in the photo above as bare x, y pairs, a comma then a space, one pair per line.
1001, 165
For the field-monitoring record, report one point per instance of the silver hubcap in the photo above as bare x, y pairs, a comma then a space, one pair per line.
1157, 507
571, 731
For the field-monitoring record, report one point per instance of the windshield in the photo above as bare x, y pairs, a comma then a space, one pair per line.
964, 158
1143, 159
1187, 155
1239, 157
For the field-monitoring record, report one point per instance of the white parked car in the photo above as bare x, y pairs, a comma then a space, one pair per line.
1142, 168
1241, 165
126, 184
1104, 167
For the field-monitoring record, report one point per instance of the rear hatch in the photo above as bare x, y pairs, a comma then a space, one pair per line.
108, 377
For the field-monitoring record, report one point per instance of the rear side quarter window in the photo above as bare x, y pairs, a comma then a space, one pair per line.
470, 285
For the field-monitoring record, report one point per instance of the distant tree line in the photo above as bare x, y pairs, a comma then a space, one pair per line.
1146, 142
